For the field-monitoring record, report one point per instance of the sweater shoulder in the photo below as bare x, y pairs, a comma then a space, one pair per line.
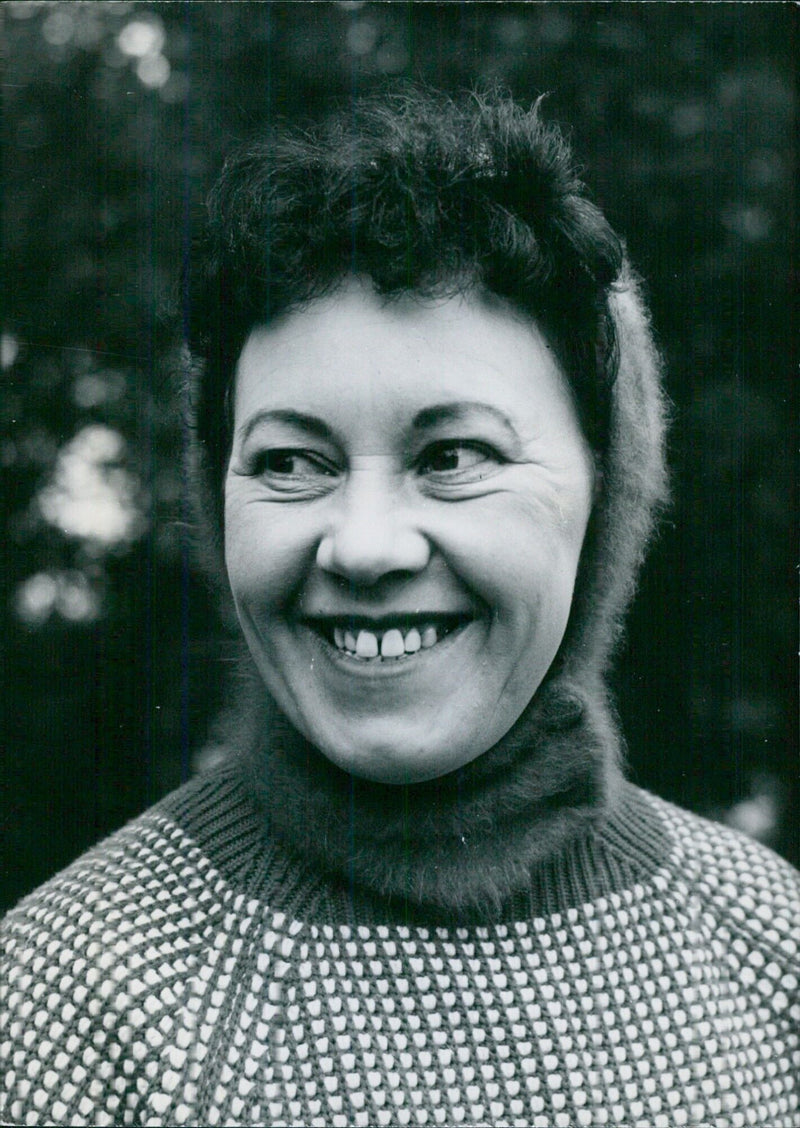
744, 885
150, 880
96, 963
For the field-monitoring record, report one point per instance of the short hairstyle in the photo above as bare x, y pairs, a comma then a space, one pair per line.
419, 193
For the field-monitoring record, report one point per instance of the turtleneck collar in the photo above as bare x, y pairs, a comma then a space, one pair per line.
465, 843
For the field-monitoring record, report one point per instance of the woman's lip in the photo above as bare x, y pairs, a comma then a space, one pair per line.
402, 620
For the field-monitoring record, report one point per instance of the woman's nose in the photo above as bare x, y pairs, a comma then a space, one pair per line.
372, 533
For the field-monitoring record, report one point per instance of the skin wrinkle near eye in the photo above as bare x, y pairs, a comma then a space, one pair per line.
454, 490
434, 481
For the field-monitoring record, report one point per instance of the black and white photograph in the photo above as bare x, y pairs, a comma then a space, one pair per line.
398, 468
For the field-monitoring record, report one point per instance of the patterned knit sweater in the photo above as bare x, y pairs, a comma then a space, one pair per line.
187, 971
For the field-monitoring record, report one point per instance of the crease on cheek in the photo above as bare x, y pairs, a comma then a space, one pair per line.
568, 508
572, 518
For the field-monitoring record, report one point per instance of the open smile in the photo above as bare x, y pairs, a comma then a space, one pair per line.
390, 639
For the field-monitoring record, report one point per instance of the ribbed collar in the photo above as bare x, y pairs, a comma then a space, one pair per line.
219, 812
540, 819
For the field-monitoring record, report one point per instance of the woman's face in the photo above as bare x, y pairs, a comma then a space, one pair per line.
406, 500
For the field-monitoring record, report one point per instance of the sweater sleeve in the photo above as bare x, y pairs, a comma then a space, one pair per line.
749, 899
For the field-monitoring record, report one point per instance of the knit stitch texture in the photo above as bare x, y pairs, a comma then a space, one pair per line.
188, 971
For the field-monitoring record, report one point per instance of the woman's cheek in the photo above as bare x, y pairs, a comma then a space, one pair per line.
249, 547
506, 552
269, 549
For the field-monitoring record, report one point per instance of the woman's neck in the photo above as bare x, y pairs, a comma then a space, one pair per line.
465, 842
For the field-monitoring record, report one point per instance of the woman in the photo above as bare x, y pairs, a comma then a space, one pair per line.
417, 890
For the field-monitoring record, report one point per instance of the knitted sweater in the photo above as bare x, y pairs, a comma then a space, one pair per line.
189, 971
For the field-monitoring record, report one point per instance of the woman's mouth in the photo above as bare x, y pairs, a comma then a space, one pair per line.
389, 640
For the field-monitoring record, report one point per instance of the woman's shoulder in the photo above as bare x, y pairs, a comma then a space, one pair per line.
101, 953
731, 878
154, 876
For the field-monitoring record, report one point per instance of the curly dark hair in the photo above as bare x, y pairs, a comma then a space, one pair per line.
422, 193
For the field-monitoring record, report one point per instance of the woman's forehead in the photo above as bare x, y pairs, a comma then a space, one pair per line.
353, 350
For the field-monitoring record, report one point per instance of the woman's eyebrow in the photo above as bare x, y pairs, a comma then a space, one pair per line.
309, 423
460, 412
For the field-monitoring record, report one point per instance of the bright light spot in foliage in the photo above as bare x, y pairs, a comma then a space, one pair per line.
141, 37
59, 26
760, 814
68, 594
91, 495
35, 598
756, 817
9, 349
95, 388
153, 71
75, 600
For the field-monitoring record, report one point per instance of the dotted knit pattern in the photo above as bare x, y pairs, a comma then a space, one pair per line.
142, 987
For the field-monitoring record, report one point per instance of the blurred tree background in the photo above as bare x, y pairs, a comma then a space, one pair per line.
116, 117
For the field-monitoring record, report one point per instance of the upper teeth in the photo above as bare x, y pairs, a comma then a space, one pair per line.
388, 644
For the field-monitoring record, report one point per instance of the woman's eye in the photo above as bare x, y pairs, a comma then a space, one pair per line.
453, 458
292, 465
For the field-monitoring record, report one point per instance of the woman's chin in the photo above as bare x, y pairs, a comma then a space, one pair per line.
392, 760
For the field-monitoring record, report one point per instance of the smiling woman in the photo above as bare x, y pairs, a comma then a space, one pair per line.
428, 449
